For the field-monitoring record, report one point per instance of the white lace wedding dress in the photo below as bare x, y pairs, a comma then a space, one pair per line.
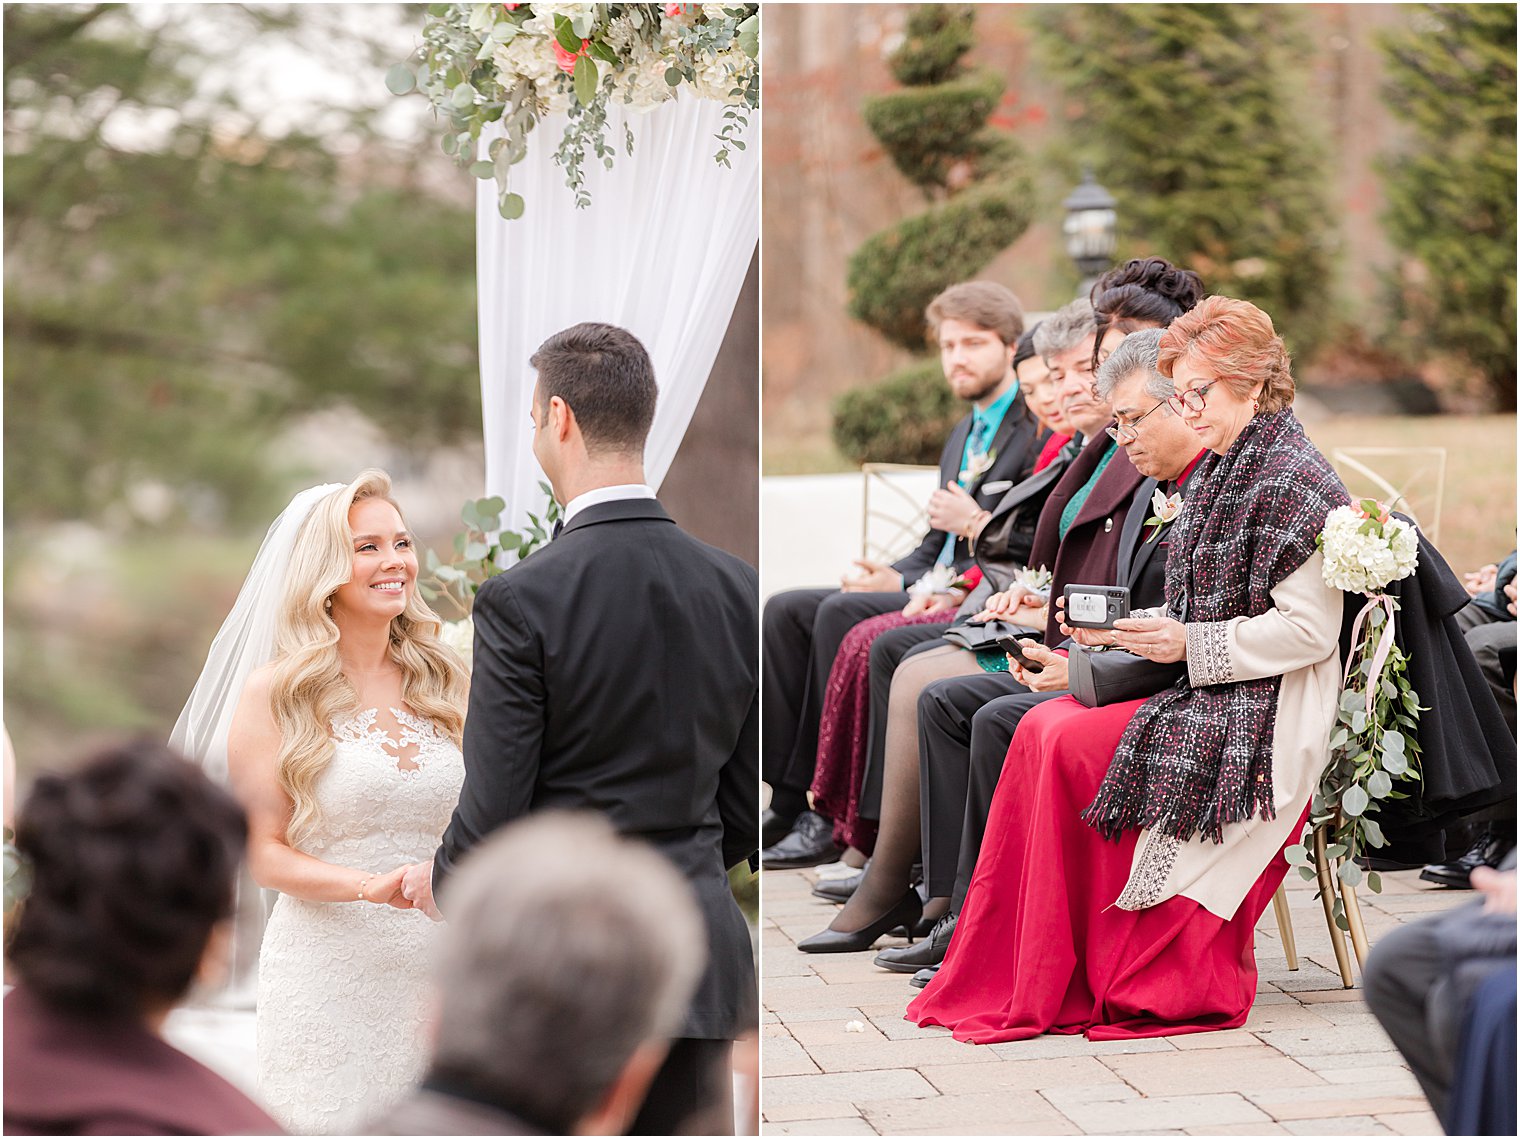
342, 1001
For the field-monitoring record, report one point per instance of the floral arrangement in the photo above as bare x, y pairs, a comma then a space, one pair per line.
480, 551
977, 465
514, 63
1373, 745
1166, 507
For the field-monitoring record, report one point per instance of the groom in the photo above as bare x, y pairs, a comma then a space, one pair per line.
615, 670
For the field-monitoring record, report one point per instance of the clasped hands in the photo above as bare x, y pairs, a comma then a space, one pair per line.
406, 887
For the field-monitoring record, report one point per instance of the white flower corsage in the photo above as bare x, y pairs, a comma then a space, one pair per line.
939, 579
1035, 580
1166, 507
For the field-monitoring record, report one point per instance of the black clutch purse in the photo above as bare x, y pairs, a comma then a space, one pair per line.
987, 634
1111, 676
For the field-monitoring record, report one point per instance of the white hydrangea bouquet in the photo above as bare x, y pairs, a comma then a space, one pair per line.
1373, 745
514, 63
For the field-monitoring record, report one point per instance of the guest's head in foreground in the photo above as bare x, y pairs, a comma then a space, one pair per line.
1159, 443
567, 964
132, 859
1066, 340
1227, 365
976, 326
593, 406
353, 571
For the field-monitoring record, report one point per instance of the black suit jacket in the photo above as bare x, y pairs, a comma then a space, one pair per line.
615, 671
1016, 446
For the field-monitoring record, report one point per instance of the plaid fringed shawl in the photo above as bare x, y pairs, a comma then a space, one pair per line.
1194, 759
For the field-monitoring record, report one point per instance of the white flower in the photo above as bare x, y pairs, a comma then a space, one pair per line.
1034, 580
978, 465
1364, 552
1166, 506
459, 636
855, 1026
937, 580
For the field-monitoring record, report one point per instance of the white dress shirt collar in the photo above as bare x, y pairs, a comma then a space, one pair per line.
605, 494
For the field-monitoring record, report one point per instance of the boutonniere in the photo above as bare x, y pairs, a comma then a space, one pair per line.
978, 465
1166, 507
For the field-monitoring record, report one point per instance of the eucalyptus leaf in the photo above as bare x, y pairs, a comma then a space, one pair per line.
512, 206
460, 541
1339, 739
464, 96
1350, 873
474, 551
1336, 850
1374, 881
1354, 801
400, 80
495, 504
749, 36
1372, 832
1393, 742
1358, 722
1395, 762
586, 78
1342, 924
1307, 873
483, 170
582, 23
1352, 700
430, 560
1374, 620
469, 515
1379, 783
510, 540
673, 76
1296, 856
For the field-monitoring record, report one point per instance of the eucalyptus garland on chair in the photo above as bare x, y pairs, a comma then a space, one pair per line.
514, 63
1373, 746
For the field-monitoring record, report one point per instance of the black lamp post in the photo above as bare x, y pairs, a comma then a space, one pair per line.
1090, 228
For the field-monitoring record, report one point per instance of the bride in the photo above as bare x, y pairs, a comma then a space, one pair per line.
339, 713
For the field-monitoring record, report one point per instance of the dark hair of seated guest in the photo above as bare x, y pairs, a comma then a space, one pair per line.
133, 859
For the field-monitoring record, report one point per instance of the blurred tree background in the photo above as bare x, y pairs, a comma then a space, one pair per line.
234, 265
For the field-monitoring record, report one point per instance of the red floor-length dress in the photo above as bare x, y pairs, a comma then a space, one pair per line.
1040, 947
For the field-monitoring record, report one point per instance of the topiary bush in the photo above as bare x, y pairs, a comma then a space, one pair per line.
903, 419
979, 202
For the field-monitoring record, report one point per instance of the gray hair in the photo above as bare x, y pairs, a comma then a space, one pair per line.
567, 947
1066, 328
1137, 352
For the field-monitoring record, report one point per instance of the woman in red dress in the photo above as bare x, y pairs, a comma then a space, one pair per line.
1132, 848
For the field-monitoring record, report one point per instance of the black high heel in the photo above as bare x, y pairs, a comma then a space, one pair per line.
906, 913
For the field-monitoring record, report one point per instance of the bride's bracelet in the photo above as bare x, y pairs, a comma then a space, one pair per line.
363, 886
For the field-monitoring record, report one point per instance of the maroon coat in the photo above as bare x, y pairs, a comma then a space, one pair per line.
69, 1076
1090, 551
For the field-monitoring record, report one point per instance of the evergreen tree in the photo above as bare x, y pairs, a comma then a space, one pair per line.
1188, 113
1451, 190
980, 200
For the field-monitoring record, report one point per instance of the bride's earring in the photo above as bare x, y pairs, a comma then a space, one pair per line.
327, 605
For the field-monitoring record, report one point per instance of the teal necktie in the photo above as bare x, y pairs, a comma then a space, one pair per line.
980, 430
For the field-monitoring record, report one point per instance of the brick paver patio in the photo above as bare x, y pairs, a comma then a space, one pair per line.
1311, 1059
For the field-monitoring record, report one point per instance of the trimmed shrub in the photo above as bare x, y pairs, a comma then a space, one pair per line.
903, 419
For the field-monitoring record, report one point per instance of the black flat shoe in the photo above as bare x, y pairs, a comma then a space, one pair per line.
809, 843
926, 954
838, 889
905, 913
923, 976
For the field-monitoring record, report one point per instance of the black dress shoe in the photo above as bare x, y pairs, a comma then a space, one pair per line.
928, 952
810, 842
774, 826
905, 913
839, 889
923, 976
1489, 850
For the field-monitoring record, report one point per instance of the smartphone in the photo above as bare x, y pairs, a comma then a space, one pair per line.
1014, 647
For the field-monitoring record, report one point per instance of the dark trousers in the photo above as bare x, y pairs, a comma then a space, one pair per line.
992, 729
801, 633
888, 651
946, 709
692, 1093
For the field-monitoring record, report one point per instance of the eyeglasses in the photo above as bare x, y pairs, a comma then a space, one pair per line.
1127, 432
1194, 400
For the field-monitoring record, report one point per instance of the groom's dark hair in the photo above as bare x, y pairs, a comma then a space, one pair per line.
604, 374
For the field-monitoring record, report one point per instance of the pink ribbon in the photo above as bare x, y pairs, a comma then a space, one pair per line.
1384, 646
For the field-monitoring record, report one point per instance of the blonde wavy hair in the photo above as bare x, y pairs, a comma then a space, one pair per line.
307, 687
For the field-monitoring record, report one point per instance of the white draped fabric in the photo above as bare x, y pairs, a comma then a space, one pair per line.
661, 251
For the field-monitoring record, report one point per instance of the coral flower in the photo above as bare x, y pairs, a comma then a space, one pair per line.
565, 60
